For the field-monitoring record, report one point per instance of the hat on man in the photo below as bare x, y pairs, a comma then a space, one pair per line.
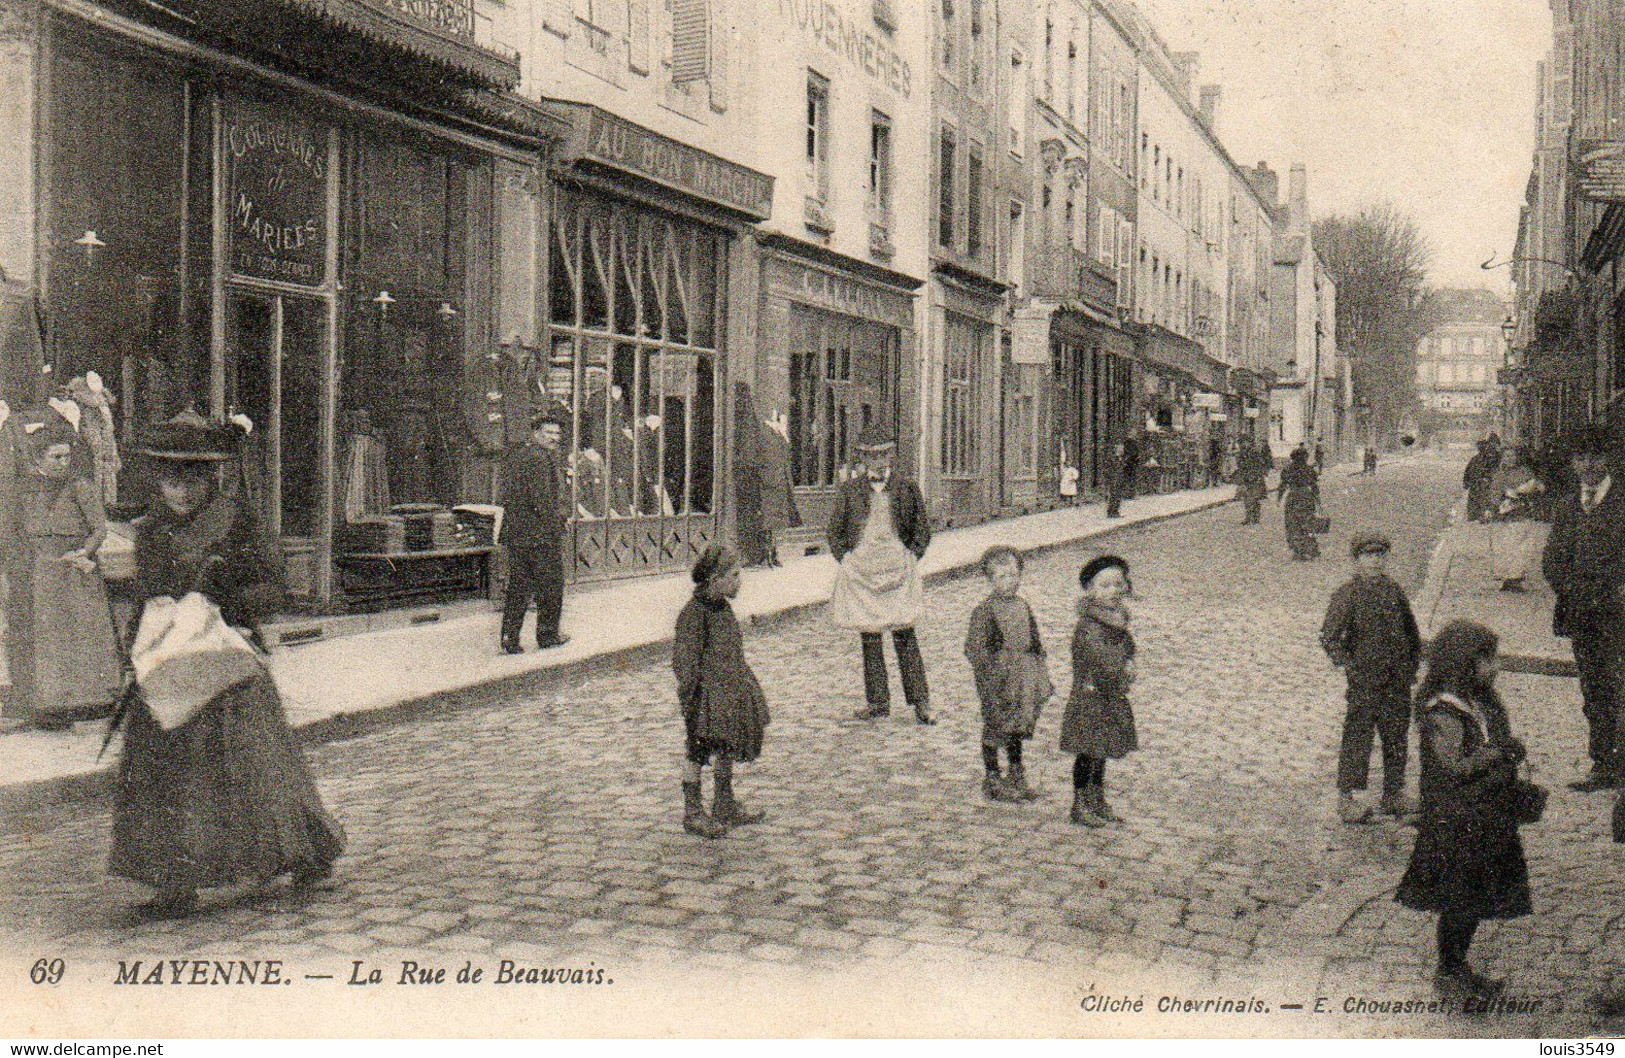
1369, 544
877, 438
549, 415
191, 438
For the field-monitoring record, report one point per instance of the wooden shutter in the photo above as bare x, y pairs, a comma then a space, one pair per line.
690, 40
637, 36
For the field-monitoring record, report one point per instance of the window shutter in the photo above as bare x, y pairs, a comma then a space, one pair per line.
558, 16
1125, 254
690, 40
721, 42
637, 36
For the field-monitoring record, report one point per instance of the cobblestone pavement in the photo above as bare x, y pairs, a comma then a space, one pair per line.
546, 831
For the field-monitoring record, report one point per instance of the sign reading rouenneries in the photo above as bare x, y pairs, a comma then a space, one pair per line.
608, 140
276, 165
853, 37
1600, 170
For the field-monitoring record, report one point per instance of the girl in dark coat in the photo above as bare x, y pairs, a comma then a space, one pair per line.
225, 797
1468, 862
1300, 490
1099, 723
1012, 678
724, 710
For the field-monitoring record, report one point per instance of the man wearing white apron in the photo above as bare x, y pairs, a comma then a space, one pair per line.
878, 532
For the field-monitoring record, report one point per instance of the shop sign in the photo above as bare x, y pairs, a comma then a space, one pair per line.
277, 196
1600, 170
852, 37
1251, 413
607, 140
840, 293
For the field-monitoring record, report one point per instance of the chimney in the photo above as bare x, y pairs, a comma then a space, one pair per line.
1185, 63
1209, 108
1298, 197
1267, 182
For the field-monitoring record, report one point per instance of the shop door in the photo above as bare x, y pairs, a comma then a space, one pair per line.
275, 349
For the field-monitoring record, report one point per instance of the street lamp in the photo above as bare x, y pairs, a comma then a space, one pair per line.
1509, 331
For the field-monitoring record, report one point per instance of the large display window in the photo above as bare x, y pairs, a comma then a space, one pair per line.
841, 379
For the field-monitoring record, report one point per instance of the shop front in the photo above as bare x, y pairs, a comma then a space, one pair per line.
837, 341
222, 235
645, 236
973, 399
1187, 424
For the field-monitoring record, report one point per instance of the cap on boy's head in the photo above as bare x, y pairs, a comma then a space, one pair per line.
550, 415
715, 559
1098, 565
1369, 544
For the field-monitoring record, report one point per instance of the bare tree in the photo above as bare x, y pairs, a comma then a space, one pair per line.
1379, 260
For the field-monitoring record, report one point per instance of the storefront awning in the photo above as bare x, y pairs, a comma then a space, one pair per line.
602, 140
335, 35
1161, 347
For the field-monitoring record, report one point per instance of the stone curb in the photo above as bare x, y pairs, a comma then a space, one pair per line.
22, 799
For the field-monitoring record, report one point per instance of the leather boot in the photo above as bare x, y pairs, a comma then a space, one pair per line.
727, 811
1097, 797
1082, 813
695, 819
1018, 784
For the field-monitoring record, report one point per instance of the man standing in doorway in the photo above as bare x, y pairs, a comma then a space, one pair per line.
878, 532
1122, 474
1585, 565
535, 500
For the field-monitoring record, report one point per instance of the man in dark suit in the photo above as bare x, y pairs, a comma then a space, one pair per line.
535, 501
1254, 472
878, 587
1585, 565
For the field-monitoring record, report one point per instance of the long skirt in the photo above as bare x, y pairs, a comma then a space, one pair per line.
1300, 513
224, 798
76, 662
1511, 548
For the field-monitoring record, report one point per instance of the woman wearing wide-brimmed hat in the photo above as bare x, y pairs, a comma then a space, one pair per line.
878, 532
224, 797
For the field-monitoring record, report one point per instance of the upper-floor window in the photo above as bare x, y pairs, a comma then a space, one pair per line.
947, 161
974, 176
1016, 256
880, 177
817, 136
1049, 60
1016, 102
950, 37
1071, 78
975, 53
690, 40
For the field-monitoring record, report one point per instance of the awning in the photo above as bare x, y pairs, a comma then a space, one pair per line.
337, 35
1163, 348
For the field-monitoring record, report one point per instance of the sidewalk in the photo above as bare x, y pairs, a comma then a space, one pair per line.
340, 687
1461, 583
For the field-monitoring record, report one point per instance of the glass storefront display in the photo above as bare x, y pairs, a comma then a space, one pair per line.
841, 380
634, 355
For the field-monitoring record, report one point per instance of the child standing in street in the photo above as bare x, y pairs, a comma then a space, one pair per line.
1099, 724
1468, 863
1371, 634
724, 710
1012, 679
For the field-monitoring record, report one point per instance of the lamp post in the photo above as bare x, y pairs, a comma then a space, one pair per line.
1509, 331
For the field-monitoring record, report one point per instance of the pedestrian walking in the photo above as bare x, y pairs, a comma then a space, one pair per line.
1320, 458
1477, 479
878, 532
1370, 463
1370, 633
1585, 565
1516, 490
1254, 471
724, 711
224, 797
74, 669
1099, 723
1122, 475
535, 515
1299, 490
1012, 674
1468, 863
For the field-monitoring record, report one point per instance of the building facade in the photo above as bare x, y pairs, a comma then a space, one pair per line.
1458, 365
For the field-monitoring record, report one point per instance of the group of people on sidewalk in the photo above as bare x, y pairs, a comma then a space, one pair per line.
1468, 863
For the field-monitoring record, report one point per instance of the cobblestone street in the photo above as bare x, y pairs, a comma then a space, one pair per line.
547, 831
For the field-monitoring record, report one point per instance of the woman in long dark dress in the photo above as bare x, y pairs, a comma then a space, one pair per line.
1300, 490
1468, 863
225, 797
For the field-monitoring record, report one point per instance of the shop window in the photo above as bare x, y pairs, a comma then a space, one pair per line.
633, 296
841, 379
964, 353
114, 227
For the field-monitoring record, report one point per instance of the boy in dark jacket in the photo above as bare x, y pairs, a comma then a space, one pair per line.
1370, 633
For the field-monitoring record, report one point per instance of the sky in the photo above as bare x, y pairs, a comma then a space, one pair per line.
1428, 104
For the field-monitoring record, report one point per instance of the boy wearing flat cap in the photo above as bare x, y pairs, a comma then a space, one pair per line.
1370, 633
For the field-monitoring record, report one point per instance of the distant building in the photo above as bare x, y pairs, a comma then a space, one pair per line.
1457, 367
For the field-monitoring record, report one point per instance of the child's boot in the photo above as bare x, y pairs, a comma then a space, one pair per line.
1017, 783
1083, 813
1350, 810
728, 812
695, 819
1101, 808
1397, 805
993, 786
